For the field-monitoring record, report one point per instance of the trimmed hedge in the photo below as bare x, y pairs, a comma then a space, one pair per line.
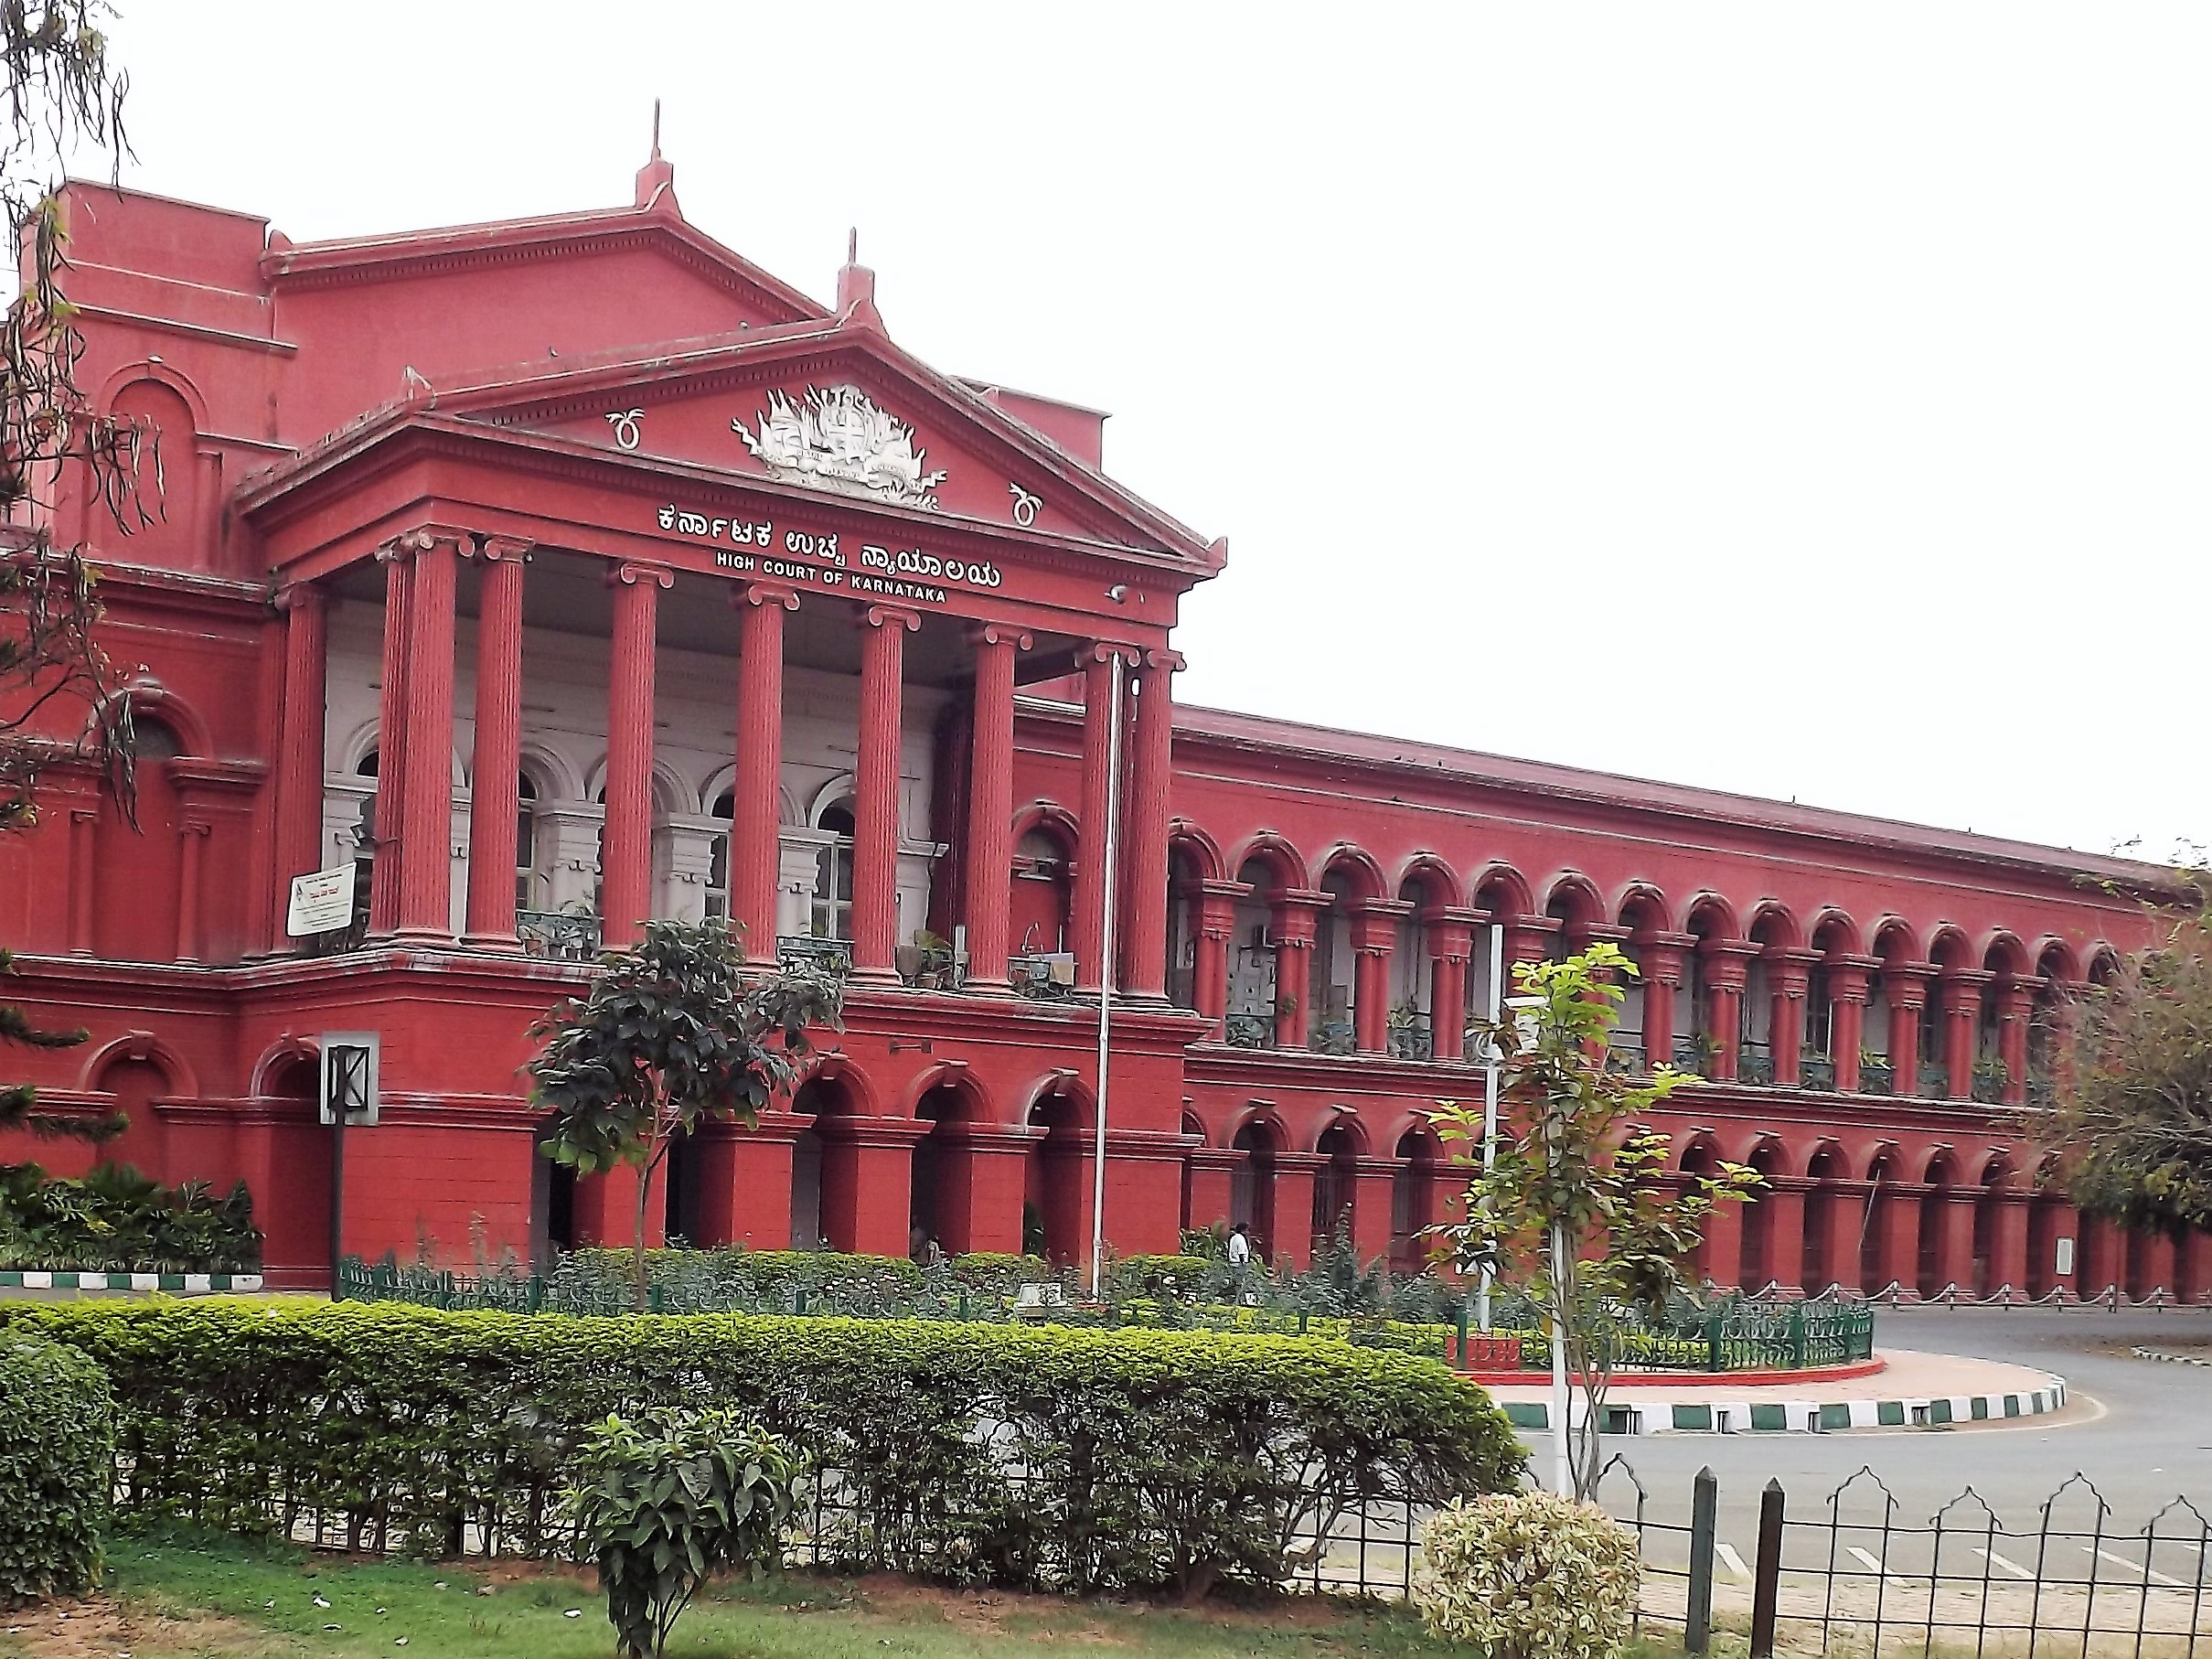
57, 1459
1045, 1458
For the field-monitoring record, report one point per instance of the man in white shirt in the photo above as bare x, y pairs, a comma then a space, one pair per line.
1240, 1245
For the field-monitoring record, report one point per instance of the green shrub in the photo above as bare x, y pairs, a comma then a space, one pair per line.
57, 1459
1159, 1276
663, 1502
1530, 1574
1043, 1457
114, 1217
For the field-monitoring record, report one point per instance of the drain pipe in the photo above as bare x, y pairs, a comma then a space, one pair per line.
1111, 851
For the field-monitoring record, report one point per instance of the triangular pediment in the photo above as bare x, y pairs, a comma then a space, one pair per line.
835, 409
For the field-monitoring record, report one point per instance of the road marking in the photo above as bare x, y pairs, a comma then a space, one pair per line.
2138, 1567
2014, 1567
1735, 1562
1873, 1566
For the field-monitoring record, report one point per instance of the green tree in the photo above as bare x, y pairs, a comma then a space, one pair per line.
1577, 1208
2132, 1120
57, 699
676, 1032
665, 1502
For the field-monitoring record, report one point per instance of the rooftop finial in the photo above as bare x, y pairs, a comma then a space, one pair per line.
656, 178
852, 246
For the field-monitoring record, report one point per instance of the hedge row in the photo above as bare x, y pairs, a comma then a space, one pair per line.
57, 1447
1043, 1457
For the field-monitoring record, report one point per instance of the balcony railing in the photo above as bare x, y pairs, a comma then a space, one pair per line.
1332, 1037
1248, 1031
1817, 1071
1754, 1064
1410, 1036
1876, 1076
833, 957
1934, 1082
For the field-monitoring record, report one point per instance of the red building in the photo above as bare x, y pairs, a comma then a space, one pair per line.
575, 567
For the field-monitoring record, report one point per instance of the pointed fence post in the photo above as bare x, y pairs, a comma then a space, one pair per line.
1766, 1574
1705, 1527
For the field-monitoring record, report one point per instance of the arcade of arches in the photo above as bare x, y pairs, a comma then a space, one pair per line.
865, 681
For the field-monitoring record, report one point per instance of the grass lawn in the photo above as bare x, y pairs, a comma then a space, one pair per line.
178, 1595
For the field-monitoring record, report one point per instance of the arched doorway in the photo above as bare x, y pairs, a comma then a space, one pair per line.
1765, 1248
825, 1186
1822, 1170
293, 1211
1412, 1198
1876, 1272
1336, 1187
941, 1193
1929, 1272
1056, 1189
1989, 1270
1252, 1185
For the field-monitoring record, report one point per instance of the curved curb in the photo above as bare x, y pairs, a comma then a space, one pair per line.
2171, 1359
1677, 1379
1721, 1415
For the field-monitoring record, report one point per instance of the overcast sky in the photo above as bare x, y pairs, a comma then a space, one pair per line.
1802, 401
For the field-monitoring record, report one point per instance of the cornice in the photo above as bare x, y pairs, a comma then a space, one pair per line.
374, 449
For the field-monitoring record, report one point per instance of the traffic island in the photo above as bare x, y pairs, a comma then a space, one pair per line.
1899, 1390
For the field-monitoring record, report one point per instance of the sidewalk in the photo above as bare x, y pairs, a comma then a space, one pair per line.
1911, 1390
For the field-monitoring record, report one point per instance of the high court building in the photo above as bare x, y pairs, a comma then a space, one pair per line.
552, 574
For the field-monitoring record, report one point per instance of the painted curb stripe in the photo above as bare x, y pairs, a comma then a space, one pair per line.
1797, 1416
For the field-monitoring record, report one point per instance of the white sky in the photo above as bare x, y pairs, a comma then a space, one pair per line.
1804, 400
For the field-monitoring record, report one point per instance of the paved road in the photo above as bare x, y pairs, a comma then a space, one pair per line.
2140, 1431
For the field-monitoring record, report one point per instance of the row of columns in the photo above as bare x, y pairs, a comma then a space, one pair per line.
1849, 982
1870, 1234
410, 886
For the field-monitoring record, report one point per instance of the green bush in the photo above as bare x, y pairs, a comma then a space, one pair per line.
1158, 1275
1043, 1457
114, 1217
57, 1459
665, 1502
1529, 1575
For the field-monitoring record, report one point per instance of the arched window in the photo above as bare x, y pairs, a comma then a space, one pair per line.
526, 843
832, 917
718, 856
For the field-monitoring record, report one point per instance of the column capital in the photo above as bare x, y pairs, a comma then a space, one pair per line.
770, 595
1106, 651
301, 596
629, 572
2017, 996
422, 539
888, 616
1165, 660
512, 549
1739, 951
999, 633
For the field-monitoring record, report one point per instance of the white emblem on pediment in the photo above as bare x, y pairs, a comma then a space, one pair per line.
835, 438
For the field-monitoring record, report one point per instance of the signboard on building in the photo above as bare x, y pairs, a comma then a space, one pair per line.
322, 902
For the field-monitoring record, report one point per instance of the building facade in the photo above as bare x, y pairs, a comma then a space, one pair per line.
548, 575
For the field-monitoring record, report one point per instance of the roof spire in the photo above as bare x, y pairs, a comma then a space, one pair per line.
656, 178
856, 287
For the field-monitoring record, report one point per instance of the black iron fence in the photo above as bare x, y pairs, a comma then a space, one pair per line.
1846, 1569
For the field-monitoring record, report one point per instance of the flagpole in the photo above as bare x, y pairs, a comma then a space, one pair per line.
1111, 853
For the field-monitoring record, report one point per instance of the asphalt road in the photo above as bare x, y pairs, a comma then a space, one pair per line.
2140, 1431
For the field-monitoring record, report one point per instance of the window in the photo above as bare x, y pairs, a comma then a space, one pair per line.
832, 917
718, 856
526, 843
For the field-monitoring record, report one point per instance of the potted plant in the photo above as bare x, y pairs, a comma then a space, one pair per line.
931, 959
1991, 1077
1877, 1076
